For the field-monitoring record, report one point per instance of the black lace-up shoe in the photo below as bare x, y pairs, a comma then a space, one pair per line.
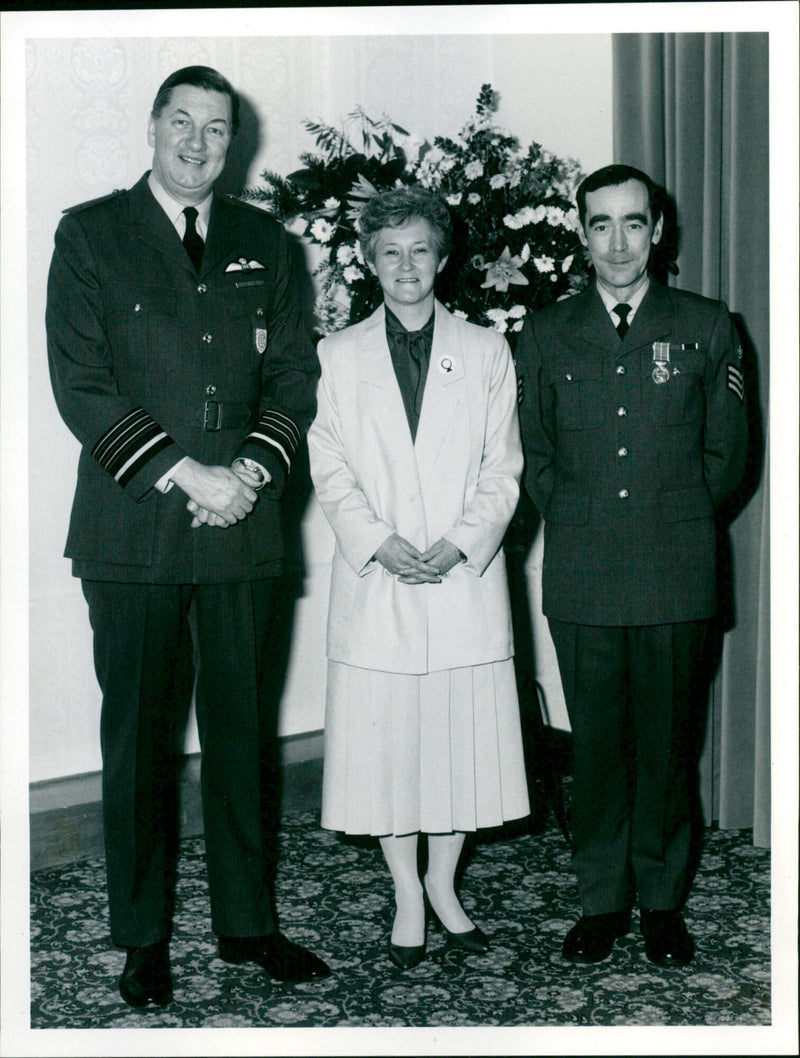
146, 977
667, 941
281, 958
592, 937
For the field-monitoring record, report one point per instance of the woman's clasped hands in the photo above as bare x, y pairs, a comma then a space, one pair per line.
411, 566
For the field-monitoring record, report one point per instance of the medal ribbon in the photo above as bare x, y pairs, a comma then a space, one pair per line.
661, 353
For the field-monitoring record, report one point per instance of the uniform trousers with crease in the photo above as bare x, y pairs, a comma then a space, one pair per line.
149, 642
635, 696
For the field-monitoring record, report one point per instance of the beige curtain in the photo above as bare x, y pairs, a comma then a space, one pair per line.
691, 109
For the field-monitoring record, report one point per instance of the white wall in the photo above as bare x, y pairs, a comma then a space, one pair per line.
87, 106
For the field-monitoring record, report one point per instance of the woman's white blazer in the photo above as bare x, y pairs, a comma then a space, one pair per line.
458, 481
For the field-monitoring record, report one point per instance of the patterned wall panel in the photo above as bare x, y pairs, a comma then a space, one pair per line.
87, 104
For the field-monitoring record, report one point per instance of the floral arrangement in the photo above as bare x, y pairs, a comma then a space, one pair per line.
515, 245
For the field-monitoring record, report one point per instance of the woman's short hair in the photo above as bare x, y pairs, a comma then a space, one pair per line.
199, 77
398, 207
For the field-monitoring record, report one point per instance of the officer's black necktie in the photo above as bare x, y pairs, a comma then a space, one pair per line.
191, 239
622, 311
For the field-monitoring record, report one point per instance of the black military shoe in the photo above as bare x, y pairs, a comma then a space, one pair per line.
667, 941
281, 958
146, 977
592, 937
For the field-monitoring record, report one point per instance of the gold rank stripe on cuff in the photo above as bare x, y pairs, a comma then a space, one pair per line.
130, 444
736, 381
277, 432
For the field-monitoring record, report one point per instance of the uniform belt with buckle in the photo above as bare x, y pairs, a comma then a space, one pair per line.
221, 415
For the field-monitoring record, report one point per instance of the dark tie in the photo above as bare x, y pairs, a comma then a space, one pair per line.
622, 311
191, 239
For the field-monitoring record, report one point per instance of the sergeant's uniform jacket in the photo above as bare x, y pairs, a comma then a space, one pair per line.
151, 362
627, 470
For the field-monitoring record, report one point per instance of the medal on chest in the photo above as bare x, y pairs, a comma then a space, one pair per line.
661, 363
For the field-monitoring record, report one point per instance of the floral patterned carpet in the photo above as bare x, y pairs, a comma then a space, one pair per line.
334, 896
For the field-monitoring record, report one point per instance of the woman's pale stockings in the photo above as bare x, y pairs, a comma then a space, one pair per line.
444, 851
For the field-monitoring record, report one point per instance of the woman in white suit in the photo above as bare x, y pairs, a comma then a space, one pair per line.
415, 456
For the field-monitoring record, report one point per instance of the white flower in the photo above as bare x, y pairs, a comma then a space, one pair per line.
345, 254
322, 230
428, 170
524, 216
446, 164
566, 264
331, 203
555, 216
352, 274
499, 318
460, 314
359, 254
497, 181
515, 178
517, 311
473, 198
454, 200
411, 147
544, 264
517, 327
505, 270
473, 170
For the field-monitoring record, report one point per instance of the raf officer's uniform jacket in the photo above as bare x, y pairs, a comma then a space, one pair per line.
151, 362
630, 445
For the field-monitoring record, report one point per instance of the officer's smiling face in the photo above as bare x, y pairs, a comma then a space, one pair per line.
618, 232
190, 140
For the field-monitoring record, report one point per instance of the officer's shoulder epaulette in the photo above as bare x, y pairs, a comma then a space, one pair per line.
95, 201
234, 200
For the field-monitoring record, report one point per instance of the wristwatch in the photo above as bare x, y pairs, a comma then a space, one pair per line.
255, 468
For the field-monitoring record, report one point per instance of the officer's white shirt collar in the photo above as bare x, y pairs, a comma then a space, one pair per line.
174, 209
635, 300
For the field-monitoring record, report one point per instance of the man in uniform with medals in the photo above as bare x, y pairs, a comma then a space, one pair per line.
634, 427
180, 360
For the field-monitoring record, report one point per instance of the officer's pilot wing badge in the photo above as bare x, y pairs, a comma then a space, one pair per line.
243, 265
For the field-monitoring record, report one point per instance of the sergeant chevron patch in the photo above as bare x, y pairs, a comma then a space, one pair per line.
736, 381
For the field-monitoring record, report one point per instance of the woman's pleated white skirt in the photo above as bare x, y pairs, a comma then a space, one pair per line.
432, 753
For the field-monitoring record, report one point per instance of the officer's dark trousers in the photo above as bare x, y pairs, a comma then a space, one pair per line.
633, 695
144, 640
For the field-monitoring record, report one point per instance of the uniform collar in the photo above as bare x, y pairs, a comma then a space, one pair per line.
174, 209
611, 302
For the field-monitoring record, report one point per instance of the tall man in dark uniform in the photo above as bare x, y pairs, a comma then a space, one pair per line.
180, 361
634, 428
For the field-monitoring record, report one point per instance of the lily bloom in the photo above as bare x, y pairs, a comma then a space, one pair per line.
505, 270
